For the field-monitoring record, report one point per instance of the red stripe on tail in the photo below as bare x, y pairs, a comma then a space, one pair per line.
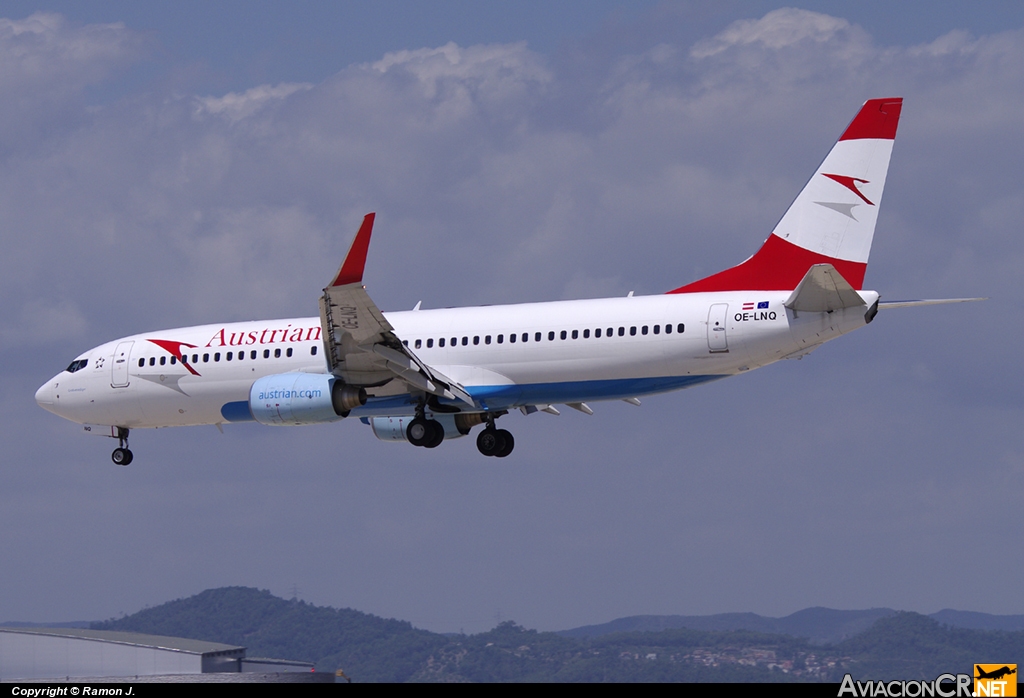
878, 118
778, 266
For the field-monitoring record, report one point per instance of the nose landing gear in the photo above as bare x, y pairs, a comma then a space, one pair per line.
122, 455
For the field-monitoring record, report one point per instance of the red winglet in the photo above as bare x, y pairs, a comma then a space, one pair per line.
878, 118
351, 271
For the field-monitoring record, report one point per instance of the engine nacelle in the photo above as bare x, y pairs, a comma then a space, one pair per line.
393, 428
293, 399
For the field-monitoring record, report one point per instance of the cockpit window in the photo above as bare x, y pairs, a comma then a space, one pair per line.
77, 365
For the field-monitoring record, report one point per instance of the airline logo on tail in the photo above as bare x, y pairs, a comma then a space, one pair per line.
848, 182
810, 233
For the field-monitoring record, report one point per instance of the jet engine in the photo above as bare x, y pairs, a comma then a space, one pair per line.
293, 399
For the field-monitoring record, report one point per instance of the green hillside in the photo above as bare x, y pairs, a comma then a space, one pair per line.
369, 648
366, 646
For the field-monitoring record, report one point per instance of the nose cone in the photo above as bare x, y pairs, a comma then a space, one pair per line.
44, 396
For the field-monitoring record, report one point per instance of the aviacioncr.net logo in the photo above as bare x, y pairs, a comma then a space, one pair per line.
995, 680
945, 686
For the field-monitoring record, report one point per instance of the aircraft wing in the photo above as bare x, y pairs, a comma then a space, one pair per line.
361, 345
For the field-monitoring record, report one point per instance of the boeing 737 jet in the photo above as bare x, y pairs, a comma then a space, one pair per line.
424, 376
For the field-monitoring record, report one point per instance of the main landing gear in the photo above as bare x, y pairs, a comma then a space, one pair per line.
428, 433
122, 455
495, 442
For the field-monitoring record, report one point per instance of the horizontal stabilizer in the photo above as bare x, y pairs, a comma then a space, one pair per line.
885, 305
822, 290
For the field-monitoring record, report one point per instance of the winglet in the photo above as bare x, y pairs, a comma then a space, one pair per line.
351, 271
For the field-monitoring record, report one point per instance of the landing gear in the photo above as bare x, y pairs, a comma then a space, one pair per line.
425, 432
122, 455
495, 442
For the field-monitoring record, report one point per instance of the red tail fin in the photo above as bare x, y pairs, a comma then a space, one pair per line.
832, 221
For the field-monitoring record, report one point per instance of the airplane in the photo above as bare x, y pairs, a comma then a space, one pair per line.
995, 673
426, 376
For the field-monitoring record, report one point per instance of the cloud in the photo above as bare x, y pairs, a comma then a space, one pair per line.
235, 106
778, 29
45, 66
501, 175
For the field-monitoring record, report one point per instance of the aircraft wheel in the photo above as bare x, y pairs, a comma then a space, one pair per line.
121, 456
436, 435
419, 432
508, 444
490, 442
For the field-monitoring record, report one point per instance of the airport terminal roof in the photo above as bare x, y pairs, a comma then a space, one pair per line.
175, 644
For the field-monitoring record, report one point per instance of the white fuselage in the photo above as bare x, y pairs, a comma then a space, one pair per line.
563, 352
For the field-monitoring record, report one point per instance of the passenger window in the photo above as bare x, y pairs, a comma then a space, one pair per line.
501, 338
632, 331
142, 362
163, 360
152, 361
266, 353
563, 334
551, 336
419, 343
277, 353
609, 333
174, 360
289, 352
622, 331
668, 329
405, 342
312, 350
440, 342
657, 329
216, 356
643, 330
230, 355
454, 342
206, 358
536, 337
512, 338
195, 358
680, 328
465, 341
487, 339
430, 343
586, 334
575, 334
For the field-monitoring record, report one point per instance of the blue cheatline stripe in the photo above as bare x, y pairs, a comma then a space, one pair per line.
237, 411
501, 397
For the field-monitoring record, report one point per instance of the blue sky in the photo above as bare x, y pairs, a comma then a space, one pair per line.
163, 168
